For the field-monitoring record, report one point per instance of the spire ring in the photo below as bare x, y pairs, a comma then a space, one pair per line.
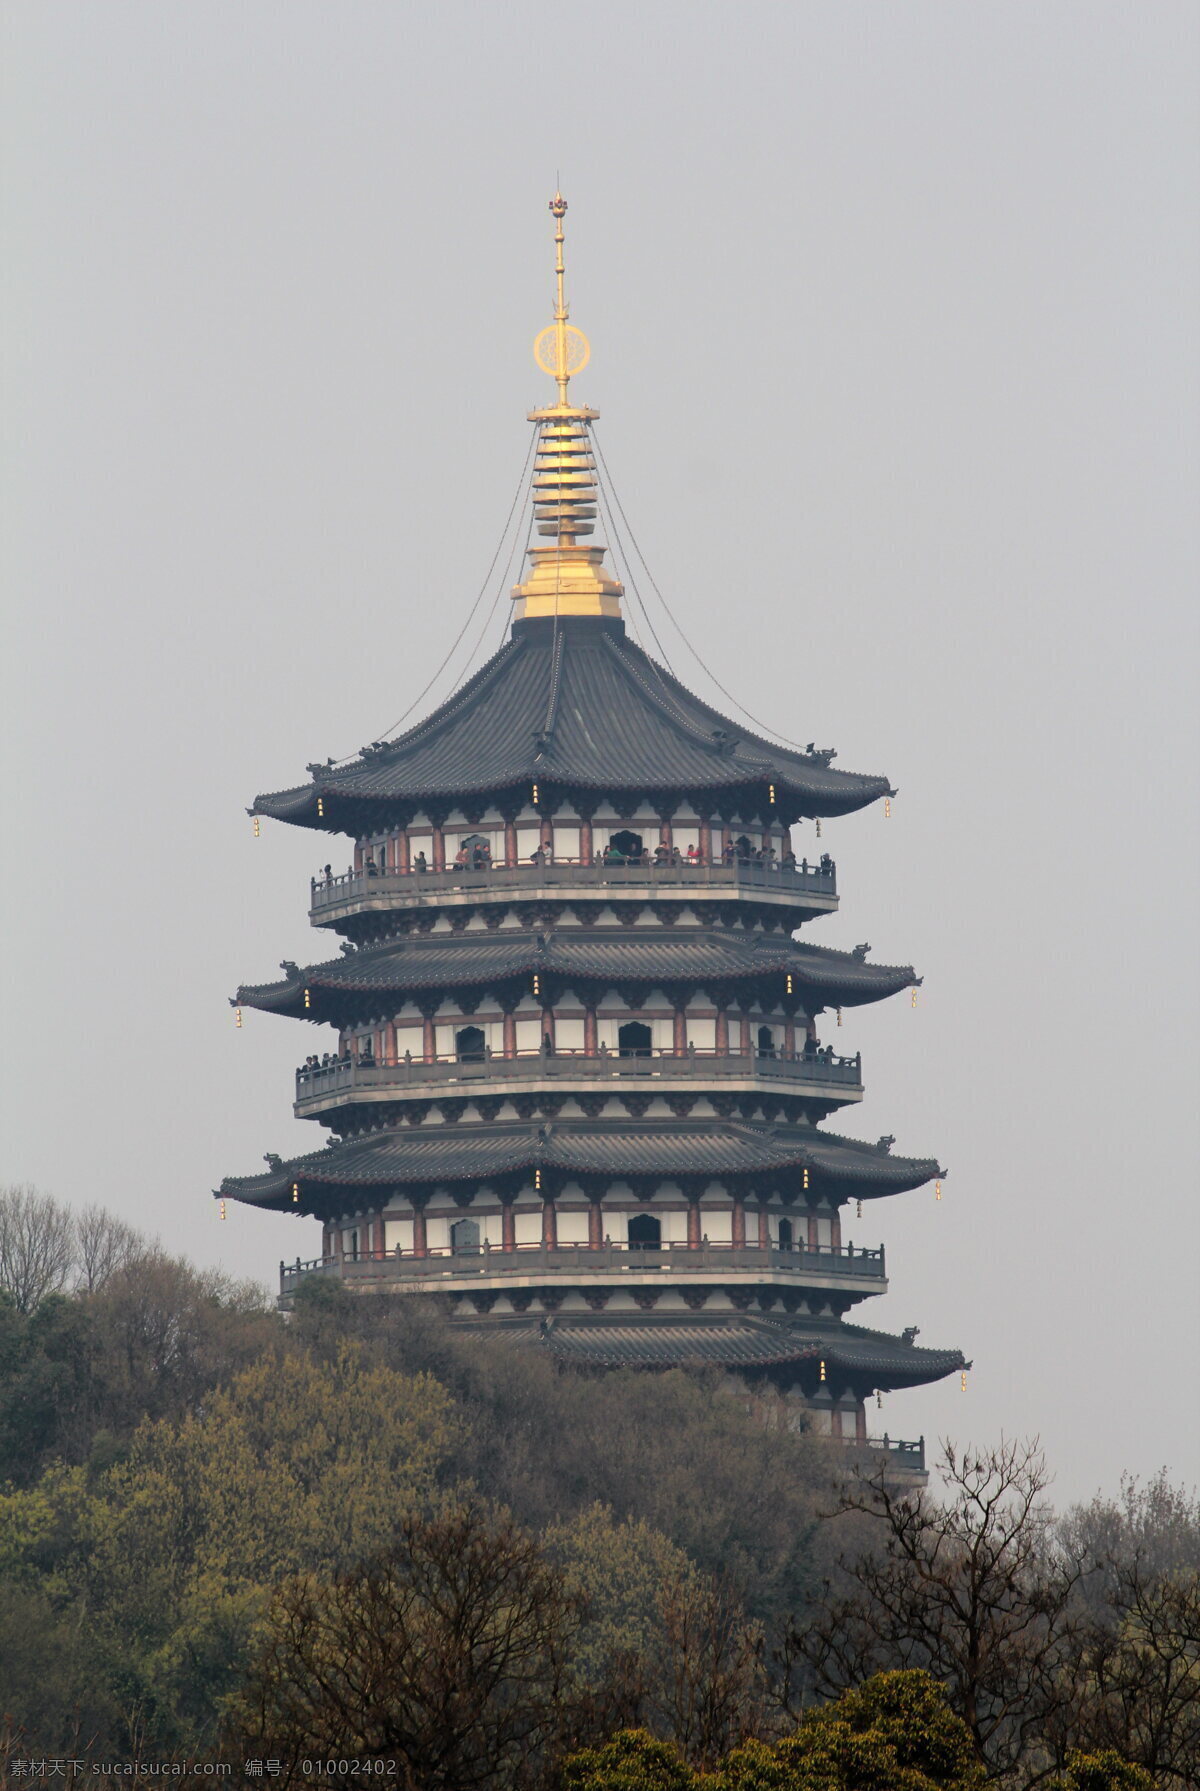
545, 349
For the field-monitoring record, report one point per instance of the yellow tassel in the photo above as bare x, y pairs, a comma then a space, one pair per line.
822, 1368
914, 998
818, 829
789, 982
937, 1190
320, 808
537, 1180
859, 1203
257, 827
295, 1193
237, 1016
878, 1400
308, 998
222, 1209
806, 1178
537, 983
962, 1382
839, 1014
887, 808
771, 789
536, 797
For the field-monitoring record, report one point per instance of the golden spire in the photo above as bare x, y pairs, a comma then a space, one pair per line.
566, 579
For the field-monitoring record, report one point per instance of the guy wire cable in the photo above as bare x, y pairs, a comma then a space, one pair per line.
601, 486
765, 726
420, 697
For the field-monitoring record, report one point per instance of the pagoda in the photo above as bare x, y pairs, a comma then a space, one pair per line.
573, 1059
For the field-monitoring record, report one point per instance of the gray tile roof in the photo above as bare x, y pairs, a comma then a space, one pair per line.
666, 954
612, 720
421, 1155
746, 1342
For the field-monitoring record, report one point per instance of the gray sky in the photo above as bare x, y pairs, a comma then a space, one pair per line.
893, 311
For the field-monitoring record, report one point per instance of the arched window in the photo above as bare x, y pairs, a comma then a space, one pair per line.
470, 1044
625, 847
785, 1234
645, 1232
766, 1042
634, 1039
464, 1237
478, 849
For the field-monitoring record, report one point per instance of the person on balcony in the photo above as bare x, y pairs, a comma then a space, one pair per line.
366, 1055
419, 863
693, 855
328, 873
538, 856
810, 1045
461, 859
662, 853
788, 861
826, 865
727, 852
372, 869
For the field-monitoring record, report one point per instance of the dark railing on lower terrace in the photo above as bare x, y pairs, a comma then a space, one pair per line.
573, 878
899, 1454
531, 1260
347, 1075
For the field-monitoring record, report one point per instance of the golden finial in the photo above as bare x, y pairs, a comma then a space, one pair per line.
566, 578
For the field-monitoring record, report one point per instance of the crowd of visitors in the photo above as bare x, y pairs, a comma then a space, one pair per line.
477, 856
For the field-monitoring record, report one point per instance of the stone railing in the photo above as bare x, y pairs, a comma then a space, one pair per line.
821, 1069
568, 1261
332, 892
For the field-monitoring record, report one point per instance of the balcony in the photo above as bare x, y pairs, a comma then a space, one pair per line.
534, 1265
809, 887
820, 1075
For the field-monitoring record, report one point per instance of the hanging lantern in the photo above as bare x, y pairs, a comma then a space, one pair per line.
859, 1205
257, 827
818, 827
536, 797
878, 1400
962, 1381
237, 1016
839, 1015
771, 794
537, 983
806, 1178
937, 1190
822, 1374
320, 808
887, 808
295, 1193
222, 1209
308, 997
537, 1180
914, 998
789, 982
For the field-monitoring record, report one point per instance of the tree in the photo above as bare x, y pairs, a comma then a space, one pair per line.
37, 1246
896, 1732
631, 1761
448, 1653
1104, 1771
103, 1245
971, 1590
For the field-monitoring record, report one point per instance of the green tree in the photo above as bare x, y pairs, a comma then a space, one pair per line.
632, 1761
1103, 1771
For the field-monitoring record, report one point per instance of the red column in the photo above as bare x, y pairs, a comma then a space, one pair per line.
745, 1041
706, 842
835, 1421
595, 1225
548, 1024
835, 1237
813, 1234
789, 1036
389, 1047
428, 1038
439, 850
326, 1243
510, 842
726, 841
693, 1217
722, 1039
358, 855
590, 1045
664, 833
860, 1422
680, 1040
764, 1229
739, 1223
585, 842
420, 1233
549, 1225
547, 836
401, 858
378, 1247
510, 1039
508, 1226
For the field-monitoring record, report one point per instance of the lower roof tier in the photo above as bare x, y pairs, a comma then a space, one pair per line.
590, 961
791, 1159
747, 1342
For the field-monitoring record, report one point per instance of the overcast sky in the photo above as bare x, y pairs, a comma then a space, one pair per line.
893, 311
